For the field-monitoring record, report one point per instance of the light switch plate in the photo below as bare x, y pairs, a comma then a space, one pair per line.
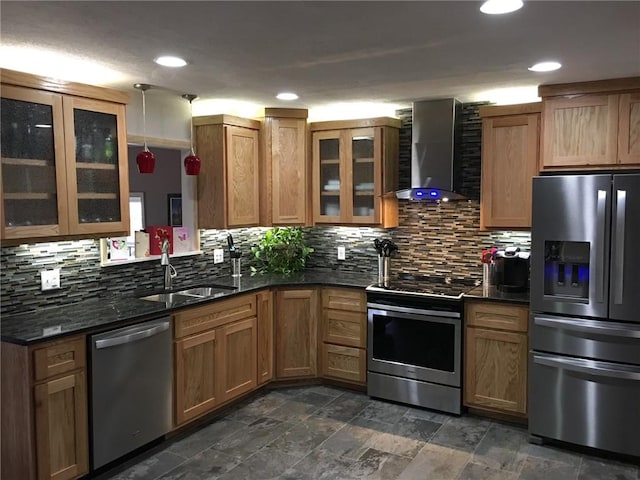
50, 279
341, 253
218, 255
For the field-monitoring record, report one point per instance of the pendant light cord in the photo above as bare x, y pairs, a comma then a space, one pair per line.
144, 121
191, 131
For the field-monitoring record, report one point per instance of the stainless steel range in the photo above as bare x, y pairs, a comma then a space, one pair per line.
415, 341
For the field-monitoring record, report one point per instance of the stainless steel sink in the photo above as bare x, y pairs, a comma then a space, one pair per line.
188, 293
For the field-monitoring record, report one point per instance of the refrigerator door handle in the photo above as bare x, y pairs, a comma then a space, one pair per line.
613, 329
618, 264
592, 368
600, 242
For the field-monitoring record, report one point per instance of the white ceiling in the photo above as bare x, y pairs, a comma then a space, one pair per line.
327, 52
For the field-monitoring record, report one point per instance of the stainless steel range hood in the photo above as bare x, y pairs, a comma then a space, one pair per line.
435, 167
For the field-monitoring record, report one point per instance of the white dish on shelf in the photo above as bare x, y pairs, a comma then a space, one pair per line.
364, 186
331, 187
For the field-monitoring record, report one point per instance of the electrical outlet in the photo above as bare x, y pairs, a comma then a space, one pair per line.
50, 279
218, 255
341, 253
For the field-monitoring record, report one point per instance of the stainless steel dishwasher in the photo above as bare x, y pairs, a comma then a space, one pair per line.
131, 378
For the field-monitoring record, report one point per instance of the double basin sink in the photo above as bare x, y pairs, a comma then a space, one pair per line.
181, 296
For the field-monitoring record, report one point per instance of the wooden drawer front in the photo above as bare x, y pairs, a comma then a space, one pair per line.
497, 315
199, 319
344, 328
351, 299
344, 363
59, 357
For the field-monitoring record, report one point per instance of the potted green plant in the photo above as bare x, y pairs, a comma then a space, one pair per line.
281, 250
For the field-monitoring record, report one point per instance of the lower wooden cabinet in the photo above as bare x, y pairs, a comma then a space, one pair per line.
61, 427
296, 334
44, 411
496, 345
196, 373
237, 356
343, 335
265, 336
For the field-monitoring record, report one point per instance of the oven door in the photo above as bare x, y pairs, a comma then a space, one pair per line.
416, 344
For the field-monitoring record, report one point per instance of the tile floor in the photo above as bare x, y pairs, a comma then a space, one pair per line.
322, 432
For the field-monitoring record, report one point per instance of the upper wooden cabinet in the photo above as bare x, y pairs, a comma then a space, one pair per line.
510, 151
591, 125
286, 168
355, 172
64, 161
228, 184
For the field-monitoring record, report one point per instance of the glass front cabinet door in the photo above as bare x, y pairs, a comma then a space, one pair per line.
61, 165
348, 176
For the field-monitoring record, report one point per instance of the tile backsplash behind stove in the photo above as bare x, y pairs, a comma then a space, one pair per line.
433, 239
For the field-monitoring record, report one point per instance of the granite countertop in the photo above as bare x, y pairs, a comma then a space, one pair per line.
93, 316
491, 292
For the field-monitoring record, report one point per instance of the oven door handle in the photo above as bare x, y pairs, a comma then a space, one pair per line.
415, 311
589, 367
614, 329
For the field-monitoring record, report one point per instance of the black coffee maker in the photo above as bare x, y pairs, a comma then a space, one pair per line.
512, 270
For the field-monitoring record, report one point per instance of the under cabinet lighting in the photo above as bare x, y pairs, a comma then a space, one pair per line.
498, 7
287, 96
169, 61
545, 67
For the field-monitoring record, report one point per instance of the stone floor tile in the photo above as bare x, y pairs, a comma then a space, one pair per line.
377, 465
344, 407
251, 438
293, 411
463, 433
540, 469
205, 437
502, 448
602, 469
151, 467
320, 465
264, 464
425, 414
474, 471
553, 453
304, 437
314, 398
325, 390
348, 442
206, 465
383, 411
436, 462
252, 410
385, 438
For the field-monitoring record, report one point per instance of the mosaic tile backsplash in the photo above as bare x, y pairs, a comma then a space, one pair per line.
433, 239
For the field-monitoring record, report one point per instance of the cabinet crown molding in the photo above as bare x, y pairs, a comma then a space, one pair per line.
356, 123
501, 110
224, 119
21, 79
286, 112
598, 86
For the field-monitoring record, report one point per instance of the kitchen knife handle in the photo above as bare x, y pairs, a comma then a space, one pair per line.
618, 262
600, 241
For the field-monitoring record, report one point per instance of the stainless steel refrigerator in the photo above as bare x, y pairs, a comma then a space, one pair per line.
584, 363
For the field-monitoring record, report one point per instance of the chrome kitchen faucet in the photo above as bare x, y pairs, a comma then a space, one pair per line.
169, 271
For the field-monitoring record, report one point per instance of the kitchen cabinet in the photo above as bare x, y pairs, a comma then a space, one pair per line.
285, 168
228, 184
510, 152
64, 164
296, 312
355, 172
215, 355
591, 125
496, 348
44, 410
343, 334
265, 336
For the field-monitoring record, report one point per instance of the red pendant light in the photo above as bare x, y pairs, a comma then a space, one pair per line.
146, 160
192, 162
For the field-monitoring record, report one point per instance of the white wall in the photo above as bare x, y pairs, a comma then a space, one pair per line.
168, 115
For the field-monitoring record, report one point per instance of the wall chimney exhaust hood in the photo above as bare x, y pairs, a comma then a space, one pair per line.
435, 168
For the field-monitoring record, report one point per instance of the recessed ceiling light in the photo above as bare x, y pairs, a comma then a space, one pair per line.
287, 96
545, 67
169, 61
496, 7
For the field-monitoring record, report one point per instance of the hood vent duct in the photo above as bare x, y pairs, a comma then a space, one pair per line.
435, 168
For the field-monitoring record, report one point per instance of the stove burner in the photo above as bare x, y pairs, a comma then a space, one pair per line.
445, 287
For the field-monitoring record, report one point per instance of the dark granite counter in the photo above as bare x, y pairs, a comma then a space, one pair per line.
491, 293
117, 311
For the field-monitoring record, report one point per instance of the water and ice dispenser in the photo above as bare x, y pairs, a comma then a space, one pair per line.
566, 269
